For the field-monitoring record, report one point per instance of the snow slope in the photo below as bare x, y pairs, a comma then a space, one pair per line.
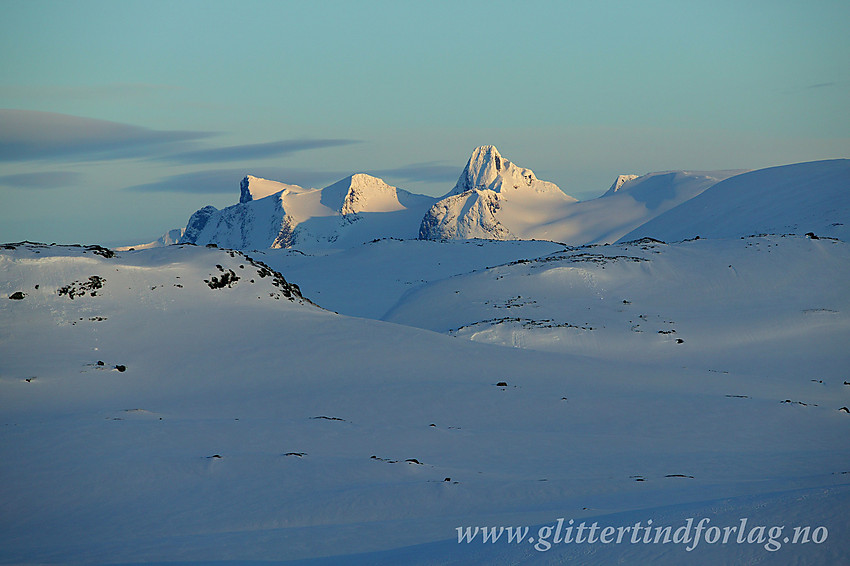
367, 280
755, 304
799, 198
231, 422
606, 219
353, 210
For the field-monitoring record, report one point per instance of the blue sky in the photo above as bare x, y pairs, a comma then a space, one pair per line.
119, 119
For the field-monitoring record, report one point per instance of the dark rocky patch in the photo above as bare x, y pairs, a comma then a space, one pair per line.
101, 251
226, 279
329, 418
17, 296
387, 460
80, 288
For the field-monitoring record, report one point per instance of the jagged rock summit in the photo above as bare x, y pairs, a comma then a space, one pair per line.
493, 199
487, 170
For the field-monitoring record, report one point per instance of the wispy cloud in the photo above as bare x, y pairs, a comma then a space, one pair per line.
822, 85
223, 181
42, 180
28, 135
431, 171
254, 151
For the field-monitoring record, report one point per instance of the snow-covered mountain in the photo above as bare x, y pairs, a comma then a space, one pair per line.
619, 182
171, 237
799, 198
495, 199
498, 200
269, 214
631, 202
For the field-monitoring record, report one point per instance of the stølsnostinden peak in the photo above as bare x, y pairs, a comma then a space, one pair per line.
356, 209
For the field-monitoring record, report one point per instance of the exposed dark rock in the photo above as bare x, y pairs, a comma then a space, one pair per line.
100, 250
17, 295
226, 279
80, 288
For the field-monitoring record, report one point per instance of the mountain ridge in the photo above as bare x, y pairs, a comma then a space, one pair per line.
494, 198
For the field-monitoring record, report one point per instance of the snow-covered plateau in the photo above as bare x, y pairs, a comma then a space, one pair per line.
365, 384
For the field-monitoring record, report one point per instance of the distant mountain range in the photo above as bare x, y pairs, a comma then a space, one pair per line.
497, 199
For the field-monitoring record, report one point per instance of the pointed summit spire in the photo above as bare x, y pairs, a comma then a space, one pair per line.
488, 170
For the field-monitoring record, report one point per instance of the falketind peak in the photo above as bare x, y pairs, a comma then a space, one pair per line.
488, 170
